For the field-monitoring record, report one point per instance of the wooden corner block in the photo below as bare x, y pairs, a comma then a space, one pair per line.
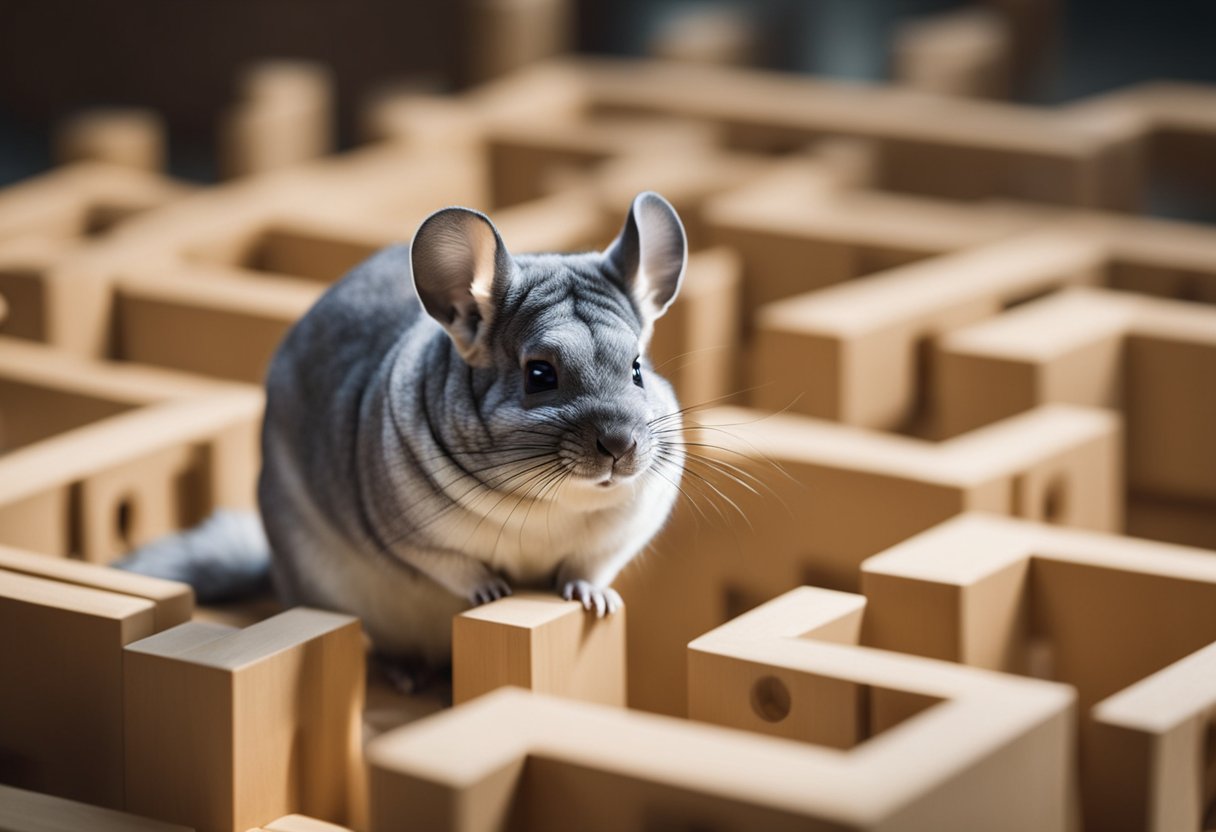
791, 668
26, 811
804, 513
540, 643
172, 602
61, 712
1148, 358
228, 728
1150, 744
102, 457
1098, 612
858, 342
731, 684
131, 137
960, 765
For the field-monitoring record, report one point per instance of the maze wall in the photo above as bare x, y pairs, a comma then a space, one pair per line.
946, 553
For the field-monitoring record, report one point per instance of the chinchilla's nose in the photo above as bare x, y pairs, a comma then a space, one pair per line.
616, 443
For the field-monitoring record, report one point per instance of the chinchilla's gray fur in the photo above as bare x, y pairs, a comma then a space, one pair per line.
408, 475
225, 558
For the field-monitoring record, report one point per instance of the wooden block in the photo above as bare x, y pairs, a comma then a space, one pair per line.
507, 35
283, 117
540, 643
862, 343
263, 721
1176, 521
130, 137
530, 159
757, 673
687, 177
82, 199
966, 52
217, 321
539, 761
172, 603
1152, 359
100, 458
798, 231
300, 823
22, 811
1098, 612
806, 502
61, 709
931, 145
26, 264
1173, 132
1151, 748
566, 221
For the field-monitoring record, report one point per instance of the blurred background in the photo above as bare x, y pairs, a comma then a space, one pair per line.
182, 59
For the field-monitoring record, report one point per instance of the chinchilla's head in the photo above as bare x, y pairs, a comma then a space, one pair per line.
560, 380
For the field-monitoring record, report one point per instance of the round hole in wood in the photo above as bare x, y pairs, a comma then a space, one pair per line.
771, 699
1055, 499
124, 518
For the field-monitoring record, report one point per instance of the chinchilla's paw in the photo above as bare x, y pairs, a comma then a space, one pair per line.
603, 599
493, 589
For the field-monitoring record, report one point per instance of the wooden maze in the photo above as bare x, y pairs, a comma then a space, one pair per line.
962, 578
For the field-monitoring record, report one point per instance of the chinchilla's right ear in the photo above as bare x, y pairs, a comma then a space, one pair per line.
458, 261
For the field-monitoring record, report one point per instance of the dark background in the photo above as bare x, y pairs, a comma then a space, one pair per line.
181, 57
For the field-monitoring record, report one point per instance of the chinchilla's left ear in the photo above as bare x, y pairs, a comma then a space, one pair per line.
459, 261
650, 253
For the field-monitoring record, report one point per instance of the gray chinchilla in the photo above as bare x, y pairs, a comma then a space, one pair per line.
450, 421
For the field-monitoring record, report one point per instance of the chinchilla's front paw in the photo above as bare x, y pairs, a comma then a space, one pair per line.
492, 589
603, 599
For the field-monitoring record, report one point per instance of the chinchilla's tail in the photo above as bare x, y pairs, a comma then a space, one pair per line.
225, 558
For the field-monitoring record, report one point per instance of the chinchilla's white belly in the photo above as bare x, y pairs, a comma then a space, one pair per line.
528, 540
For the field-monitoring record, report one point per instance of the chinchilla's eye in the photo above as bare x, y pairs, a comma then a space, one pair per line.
637, 373
539, 376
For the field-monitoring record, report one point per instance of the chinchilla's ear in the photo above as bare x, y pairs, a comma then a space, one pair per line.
650, 253
457, 259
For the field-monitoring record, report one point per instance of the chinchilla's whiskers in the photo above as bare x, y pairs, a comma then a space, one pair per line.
658, 367
696, 484
516, 491
755, 454
725, 471
657, 470
548, 487
529, 494
710, 403
749, 480
448, 456
458, 501
696, 476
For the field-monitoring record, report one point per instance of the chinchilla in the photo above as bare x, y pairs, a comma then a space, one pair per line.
451, 421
